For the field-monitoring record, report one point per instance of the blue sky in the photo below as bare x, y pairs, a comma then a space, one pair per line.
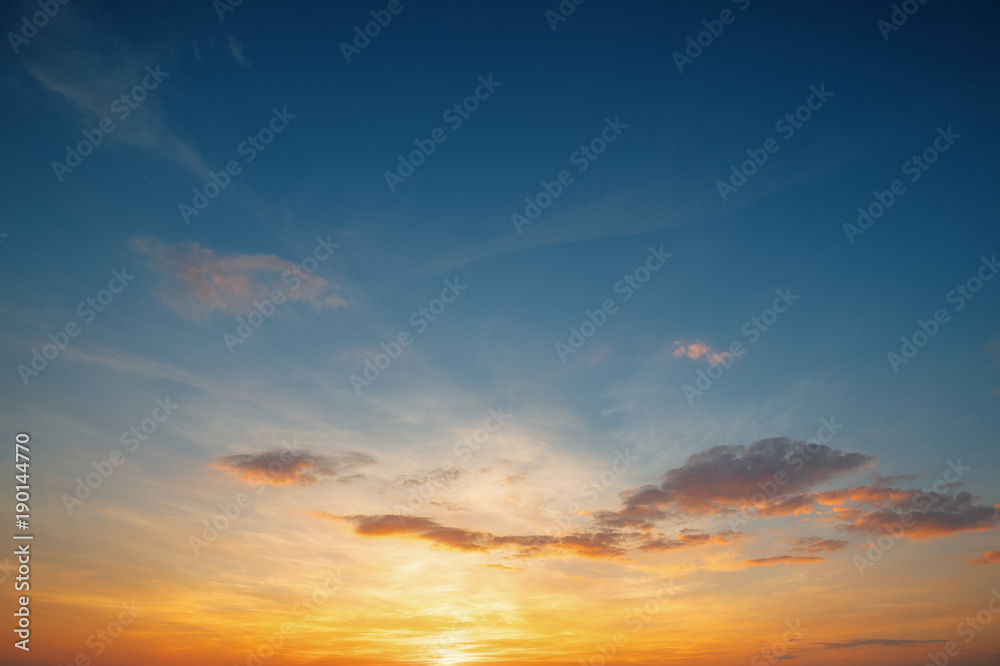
655, 186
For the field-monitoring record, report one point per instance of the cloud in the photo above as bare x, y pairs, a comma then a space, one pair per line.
783, 559
196, 281
818, 545
91, 79
451, 507
689, 539
512, 478
696, 350
300, 467
596, 545
925, 515
790, 506
236, 48
877, 642
724, 478
640, 514
893, 478
437, 478
991, 556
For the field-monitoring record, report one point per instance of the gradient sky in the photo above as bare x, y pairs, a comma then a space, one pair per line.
503, 491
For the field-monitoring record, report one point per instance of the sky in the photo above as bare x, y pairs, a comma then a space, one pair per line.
379, 333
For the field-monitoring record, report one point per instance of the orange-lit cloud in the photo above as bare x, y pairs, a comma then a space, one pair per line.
598, 543
795, 505
876, 642
285, 467
592, 544
818, 545
860, 494
783, 559
991, 556
778, 475
690, 538
929, 515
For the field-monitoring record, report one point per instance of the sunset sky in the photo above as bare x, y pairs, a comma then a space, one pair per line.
514, 334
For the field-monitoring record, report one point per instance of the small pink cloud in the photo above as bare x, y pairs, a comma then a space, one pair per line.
696, 350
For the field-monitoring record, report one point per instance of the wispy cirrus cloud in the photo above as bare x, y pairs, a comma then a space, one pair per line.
236, 49
195, 281
89, 69
437, 478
